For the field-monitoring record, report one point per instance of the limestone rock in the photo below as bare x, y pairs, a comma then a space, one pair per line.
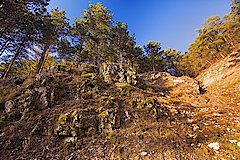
238, 144
109, 120
77, 123
9, 105
119, 73
24, 101
144, 153
233, 141
215, 146
42, 102
52, 69
69, 140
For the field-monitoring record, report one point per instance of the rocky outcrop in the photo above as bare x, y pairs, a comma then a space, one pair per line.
150, 108
38, 95
112, 73
81, 123
77, 123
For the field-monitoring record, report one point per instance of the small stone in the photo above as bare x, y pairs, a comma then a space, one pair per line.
238, 144
233, 141
215, 146
195, 127
178, 81
217, 114
206, 124
144, 153
69, 140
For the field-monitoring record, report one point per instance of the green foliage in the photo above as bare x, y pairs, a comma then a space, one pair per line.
155, 55
25, 67
217, 39
98, 40
95, 39
53, 27
171, 58
18, 29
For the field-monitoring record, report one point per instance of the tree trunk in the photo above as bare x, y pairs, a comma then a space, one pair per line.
13, 60
211, 51
45, 58
208, 62
227, 41
3, 47
60, 61
79, 55
41, 61
154, 66
95, 56
78, 61
231, 41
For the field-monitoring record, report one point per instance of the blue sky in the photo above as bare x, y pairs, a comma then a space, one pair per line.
170, 22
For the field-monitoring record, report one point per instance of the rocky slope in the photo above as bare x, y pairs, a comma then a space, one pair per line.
222, 81
111, 112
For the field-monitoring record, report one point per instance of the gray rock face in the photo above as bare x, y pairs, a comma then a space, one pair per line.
112, 73
9, 105
24, 101
39, 95
42, 102
43, 91
90, 122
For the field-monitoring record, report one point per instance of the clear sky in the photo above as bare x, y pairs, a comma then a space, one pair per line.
170, 22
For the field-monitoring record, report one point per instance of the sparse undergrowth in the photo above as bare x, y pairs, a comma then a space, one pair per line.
74, 114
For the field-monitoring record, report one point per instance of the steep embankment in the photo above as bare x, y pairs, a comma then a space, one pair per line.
111, 112
222, 81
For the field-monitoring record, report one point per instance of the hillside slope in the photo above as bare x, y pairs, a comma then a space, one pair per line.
222, 81
111, 112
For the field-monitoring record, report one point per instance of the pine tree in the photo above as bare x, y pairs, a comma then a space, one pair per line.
18, 27
54, 26
13, 15
79, 33
99, 20
123, 43
154, 53
65, 50
170, 60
